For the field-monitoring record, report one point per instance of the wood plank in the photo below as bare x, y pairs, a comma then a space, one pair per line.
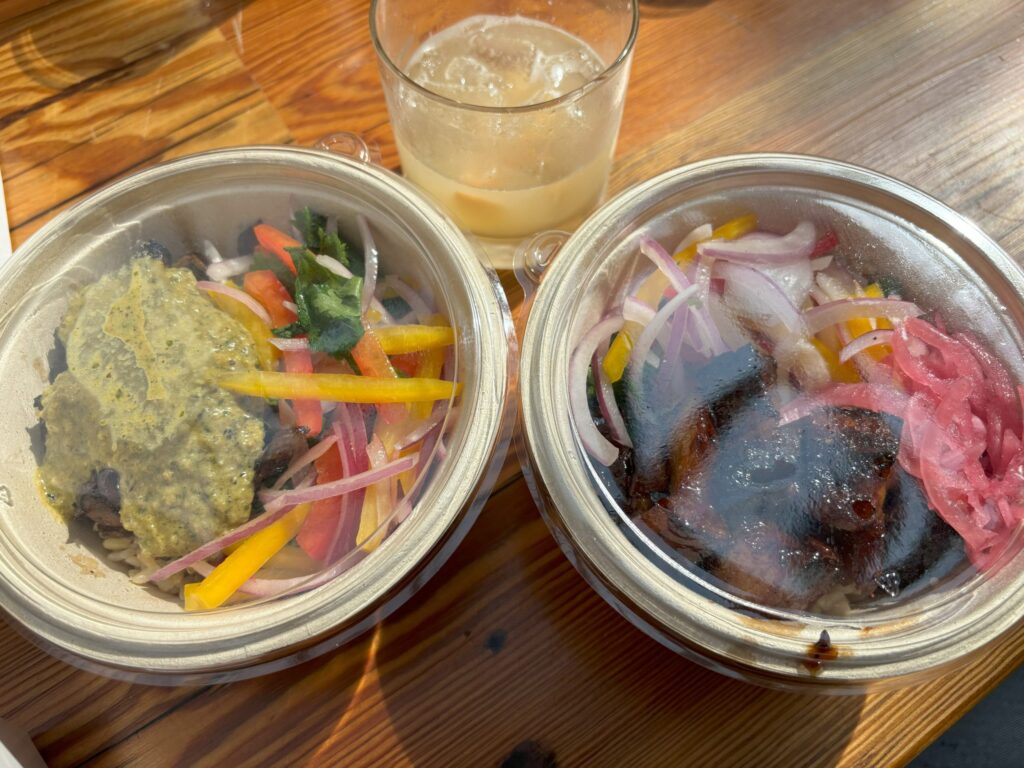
200, 100
72, 714
442, 683
507, 652
856, 102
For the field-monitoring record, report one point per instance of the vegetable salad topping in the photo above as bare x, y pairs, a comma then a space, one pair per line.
185, 482
803, 435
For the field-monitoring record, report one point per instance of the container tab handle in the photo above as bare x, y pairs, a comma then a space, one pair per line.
351, 145
534, 255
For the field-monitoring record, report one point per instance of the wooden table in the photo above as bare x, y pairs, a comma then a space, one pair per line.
506, 658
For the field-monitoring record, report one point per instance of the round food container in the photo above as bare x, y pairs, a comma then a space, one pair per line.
747, 627
57, 582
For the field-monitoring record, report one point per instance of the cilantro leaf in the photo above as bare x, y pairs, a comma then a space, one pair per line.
332, 314
329, 306
313, 228
289, 331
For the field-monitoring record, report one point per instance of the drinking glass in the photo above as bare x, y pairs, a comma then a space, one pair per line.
507, 123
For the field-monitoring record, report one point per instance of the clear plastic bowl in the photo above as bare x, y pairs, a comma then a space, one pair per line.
941, 260
58, 587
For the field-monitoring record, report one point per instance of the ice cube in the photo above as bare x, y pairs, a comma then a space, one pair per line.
467, 77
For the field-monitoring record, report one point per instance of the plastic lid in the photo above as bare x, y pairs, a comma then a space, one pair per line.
812, 417
157, 348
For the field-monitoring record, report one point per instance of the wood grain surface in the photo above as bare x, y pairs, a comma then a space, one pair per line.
506, 657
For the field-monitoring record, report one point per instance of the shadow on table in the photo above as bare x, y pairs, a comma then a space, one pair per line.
508, 659
73, 44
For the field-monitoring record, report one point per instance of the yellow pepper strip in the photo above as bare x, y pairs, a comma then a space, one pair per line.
371, 519
875, 291
242, 564
844, 372
654, 286
858, 326
337, 387
403, 339
267, 354
430, 366
408, 478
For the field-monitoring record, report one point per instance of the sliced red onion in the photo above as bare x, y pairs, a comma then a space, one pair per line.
290, 345
593, 441
649, 333
697, 235
419, 431
305, 460
759, 294
211, 254
350, 429
285, 413
211, 548
371, 259
219, 271
606, 402
733, 334
335, 266
865, 341
795, 280
237, 295
423, 312
843, 310
818, 296
636, 311
275, 500
820, 263
652, 249
273, 587
764, 248
837, 282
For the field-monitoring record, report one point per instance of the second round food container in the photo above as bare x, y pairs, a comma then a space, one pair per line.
727, 606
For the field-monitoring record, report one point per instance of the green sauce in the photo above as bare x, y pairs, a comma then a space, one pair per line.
143, 346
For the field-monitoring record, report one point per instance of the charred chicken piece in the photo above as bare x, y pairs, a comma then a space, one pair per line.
99, 500
284, 447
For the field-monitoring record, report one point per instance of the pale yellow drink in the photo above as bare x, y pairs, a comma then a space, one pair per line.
505, 169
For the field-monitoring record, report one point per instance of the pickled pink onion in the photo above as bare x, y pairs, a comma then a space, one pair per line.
240, 296
881, 398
